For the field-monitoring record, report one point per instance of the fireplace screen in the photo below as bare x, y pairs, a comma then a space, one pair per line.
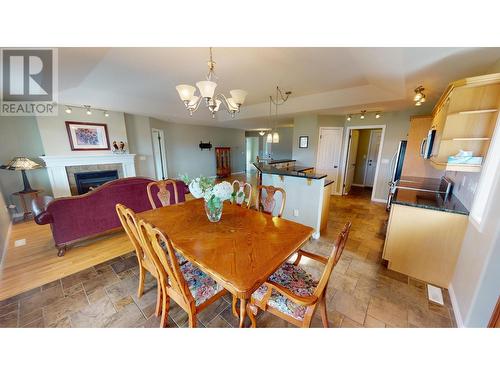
88, 181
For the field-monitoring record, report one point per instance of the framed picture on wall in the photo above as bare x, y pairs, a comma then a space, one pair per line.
87, 136
303, 141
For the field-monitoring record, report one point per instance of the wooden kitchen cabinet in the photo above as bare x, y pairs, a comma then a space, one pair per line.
414, 164
424, 243
464, 119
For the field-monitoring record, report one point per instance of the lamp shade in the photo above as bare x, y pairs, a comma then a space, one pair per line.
21, 164
192, 103
207, 88
238, 96
276, 137
232, 105
269, 138
186, 92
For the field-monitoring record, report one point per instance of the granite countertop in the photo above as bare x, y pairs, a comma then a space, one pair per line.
328, 182
292, 171
425, 199
280, 161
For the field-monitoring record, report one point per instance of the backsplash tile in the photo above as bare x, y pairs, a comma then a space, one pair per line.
464, 186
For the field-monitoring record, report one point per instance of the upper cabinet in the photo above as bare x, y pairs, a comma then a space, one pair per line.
464, 119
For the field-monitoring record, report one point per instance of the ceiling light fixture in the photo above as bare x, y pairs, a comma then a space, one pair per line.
349, 118
377, 115
68, 110
280, 99
419, 97
207, 93
106, 114
88, 109
362, 117
261, 133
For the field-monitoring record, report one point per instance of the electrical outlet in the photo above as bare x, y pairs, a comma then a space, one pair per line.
296, 212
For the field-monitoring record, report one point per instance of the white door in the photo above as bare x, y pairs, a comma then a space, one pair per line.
330, 145
159, 154
371, 159
351, 160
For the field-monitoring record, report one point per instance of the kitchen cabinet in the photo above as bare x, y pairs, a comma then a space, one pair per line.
464, 119
414, 164
424, 243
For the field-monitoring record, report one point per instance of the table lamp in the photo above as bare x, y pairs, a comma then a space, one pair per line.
22, 164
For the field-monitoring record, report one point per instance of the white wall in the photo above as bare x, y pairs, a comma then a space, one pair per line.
55, 137
183, 152
140, 143
476, 282
4, 226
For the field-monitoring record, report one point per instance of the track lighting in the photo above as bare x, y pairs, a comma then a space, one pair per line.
106, 114
377, 115
68, 110
419, 97
362, 117
349, 118
88, 109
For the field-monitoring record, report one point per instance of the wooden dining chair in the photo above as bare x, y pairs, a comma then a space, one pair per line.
192, 289
267, 203
242, 193
292, 294
129, 223
163, 194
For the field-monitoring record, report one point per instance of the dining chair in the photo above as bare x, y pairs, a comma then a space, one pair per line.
129, 223
163, 193
240, 195
267, 203
292, 294
192, 289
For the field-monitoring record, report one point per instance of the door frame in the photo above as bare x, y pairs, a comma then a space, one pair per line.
368, 153
341, 128
379, 157
164, 153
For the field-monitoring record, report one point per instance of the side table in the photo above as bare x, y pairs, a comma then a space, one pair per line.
22, 197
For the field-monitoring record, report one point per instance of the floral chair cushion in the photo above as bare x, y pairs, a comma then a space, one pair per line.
179, 256
202, 286
295, 279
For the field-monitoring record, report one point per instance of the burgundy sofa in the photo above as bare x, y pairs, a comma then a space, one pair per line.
81, 217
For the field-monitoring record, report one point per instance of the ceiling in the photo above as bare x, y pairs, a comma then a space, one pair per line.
322, 80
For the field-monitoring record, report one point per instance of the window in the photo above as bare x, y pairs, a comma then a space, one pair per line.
488, 180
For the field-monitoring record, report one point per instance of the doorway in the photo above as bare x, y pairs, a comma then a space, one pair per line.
329, 152
362, 156
159, 154
252, 151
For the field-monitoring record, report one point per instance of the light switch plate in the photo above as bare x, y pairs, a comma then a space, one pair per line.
435, 294
296, 212
20, 242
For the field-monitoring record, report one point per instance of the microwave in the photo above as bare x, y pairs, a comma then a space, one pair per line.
427, 143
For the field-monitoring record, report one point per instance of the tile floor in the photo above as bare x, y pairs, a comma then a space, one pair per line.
362, 291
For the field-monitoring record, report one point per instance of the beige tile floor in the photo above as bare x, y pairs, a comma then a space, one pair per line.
362, 291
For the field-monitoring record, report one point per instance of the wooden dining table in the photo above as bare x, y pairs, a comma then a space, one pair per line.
240, 251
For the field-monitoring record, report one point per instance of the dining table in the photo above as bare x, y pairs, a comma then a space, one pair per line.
239, 252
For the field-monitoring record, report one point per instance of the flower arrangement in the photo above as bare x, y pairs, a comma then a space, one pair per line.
213, 194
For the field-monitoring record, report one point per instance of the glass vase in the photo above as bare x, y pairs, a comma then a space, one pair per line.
213, 211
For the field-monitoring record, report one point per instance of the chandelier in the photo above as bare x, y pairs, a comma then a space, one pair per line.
274, 137
207, 94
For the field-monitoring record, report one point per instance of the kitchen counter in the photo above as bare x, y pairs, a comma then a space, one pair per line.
295, 171
432, 201
281, 161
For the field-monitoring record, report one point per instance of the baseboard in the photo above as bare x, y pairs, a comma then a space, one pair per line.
379, 200
358, 185
456, 310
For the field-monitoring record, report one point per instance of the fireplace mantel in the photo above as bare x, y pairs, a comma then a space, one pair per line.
56, 168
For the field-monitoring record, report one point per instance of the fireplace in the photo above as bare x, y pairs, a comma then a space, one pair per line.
87, 181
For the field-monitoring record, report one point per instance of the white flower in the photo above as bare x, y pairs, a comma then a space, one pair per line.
207, 194
195, 189
223, 190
